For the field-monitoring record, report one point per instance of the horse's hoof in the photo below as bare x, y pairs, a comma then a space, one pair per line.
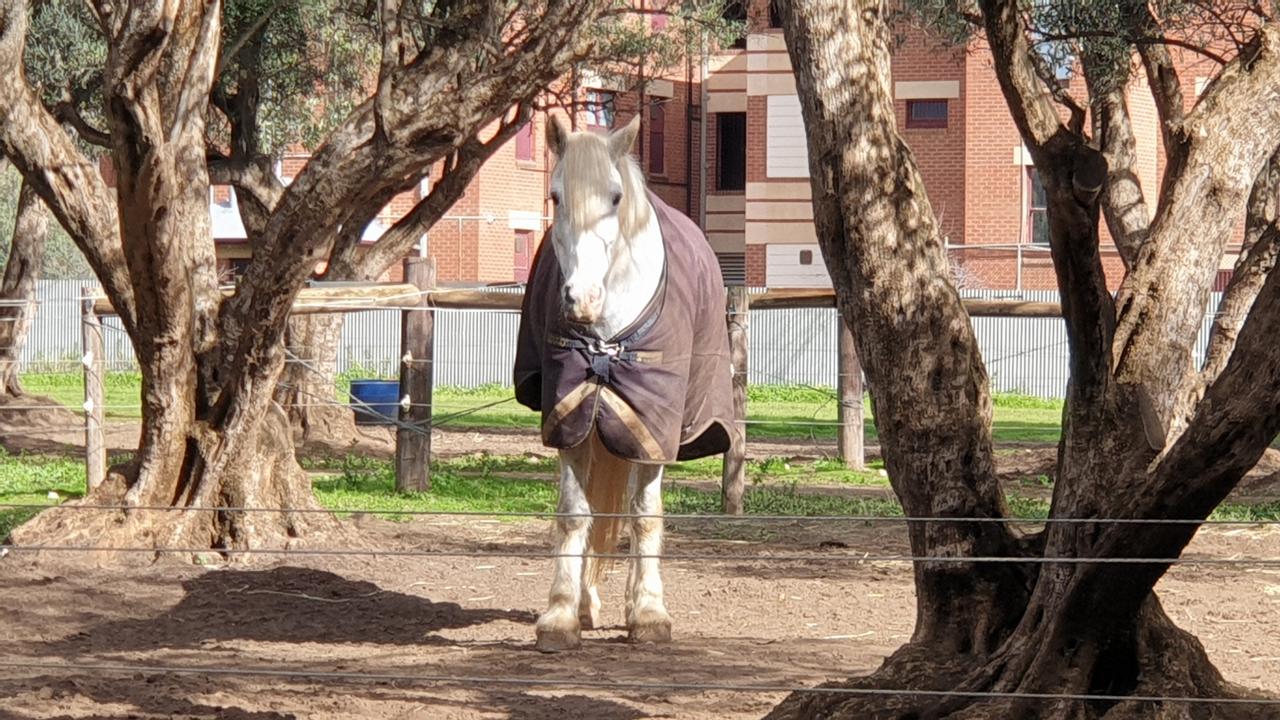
653, 632
552, 641
589, 619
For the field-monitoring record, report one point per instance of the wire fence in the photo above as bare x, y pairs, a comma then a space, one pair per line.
791, 347
477, 347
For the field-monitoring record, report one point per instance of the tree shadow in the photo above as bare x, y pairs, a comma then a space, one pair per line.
284, 604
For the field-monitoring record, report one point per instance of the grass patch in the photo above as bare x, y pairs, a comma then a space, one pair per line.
30, 480
484, 485
774, 412
122, 390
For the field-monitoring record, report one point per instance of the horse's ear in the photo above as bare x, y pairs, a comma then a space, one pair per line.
620, 142
557, 133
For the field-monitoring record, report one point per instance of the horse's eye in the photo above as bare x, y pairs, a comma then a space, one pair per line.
555, 198
617, 198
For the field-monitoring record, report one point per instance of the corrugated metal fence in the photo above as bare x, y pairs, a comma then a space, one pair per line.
1027, 355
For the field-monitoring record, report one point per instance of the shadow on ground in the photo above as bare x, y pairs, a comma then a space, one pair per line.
284, 604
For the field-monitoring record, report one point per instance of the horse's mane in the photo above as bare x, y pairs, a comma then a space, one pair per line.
587, 167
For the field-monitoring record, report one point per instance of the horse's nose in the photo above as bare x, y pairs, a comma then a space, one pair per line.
582, 294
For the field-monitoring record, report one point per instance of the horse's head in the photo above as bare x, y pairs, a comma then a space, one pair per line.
598, 194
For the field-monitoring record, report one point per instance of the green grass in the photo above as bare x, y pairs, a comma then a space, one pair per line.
30, 479
123, 391
370, 484
774, 412
485, 484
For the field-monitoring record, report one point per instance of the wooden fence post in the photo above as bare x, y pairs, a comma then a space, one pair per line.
849, 388
95, 441
417, 342
734, 479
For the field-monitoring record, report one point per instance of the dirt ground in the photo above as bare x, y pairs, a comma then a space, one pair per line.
762, 619
393, 627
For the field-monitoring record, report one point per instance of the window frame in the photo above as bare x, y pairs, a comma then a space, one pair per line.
928, 123
524, 140
720, 153
602, 108
657, 137
1036, 214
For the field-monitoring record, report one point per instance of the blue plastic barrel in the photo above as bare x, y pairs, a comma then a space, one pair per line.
382, 398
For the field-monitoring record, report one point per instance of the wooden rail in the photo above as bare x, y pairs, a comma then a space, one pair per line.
353, 298
413, 440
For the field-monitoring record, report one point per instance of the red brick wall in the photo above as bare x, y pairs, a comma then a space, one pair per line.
939, 152
757, 265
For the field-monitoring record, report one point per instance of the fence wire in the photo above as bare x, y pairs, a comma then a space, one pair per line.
856, 558
706, 517
590, 683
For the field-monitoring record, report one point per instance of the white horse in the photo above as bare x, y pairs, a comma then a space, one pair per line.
611, 254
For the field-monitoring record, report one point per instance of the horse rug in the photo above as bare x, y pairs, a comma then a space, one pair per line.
657, 392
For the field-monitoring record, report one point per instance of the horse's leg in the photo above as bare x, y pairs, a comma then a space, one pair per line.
558, 628
589, 603
647, 618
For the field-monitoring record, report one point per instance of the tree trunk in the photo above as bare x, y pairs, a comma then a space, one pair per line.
18, 289
308, 386
1065, 628
211, 433
925, 375
203, 443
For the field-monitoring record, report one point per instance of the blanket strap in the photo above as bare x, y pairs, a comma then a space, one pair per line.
603, 354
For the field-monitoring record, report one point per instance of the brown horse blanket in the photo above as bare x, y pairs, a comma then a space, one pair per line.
660, 390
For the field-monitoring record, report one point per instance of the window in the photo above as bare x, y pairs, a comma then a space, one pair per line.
524, 142
522, 257
775, 18
926, 113
657, 138
731, 151
600, 108
1037, 210
806, 257
736, 11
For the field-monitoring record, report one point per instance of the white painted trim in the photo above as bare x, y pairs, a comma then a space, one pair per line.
1022, 156
771, 84
524, 220
926, 90
726, 102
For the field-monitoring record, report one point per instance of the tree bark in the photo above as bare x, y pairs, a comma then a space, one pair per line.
18, 288
927, 381
211, 433
1048, 627
309, 384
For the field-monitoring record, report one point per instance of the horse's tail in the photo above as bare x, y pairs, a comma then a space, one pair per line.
606, 492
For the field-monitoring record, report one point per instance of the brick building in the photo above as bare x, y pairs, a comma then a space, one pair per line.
724, 141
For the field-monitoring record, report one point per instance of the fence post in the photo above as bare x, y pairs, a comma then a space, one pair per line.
95, 441
734, 479
849, 388
417, 343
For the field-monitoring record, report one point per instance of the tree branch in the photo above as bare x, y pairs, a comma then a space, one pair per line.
398, 240
231, 50
1166, 91
67, 181
1237, 420
1162, 41
1074, 176
258, 190
1257, 258
67, 111
1230, 135
1123, 203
